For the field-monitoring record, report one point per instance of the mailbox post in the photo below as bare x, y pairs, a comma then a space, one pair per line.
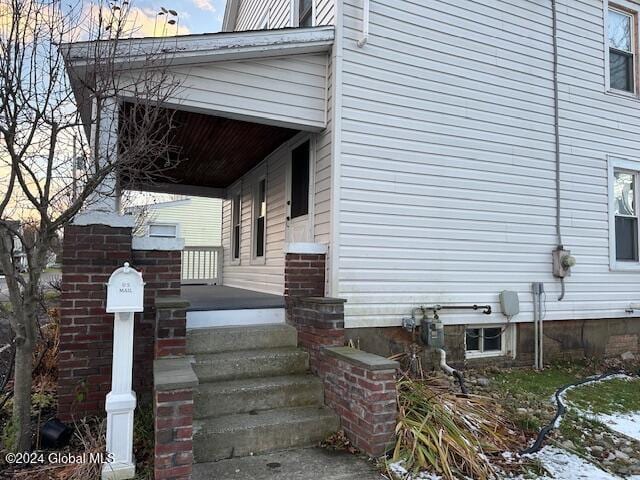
125, 296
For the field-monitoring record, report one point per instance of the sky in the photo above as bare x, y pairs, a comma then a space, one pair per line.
194, 16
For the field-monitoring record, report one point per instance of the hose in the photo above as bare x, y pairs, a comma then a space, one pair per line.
561, 409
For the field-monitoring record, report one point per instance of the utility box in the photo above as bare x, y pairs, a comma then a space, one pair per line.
509, 303
562, 262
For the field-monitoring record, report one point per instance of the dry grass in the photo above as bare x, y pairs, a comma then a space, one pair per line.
451, 435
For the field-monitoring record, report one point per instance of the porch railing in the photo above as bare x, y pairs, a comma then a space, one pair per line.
202, 265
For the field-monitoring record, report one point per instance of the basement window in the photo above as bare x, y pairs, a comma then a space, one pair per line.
484, 341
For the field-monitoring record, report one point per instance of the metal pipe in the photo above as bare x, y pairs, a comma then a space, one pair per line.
451, 371
535, 324
365, 24
540, 333
556, 113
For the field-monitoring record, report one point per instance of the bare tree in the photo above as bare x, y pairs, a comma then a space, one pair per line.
46, 47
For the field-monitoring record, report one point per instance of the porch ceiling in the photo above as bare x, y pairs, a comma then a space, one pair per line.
212, 152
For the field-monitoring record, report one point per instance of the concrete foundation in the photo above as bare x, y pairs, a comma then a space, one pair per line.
563, 340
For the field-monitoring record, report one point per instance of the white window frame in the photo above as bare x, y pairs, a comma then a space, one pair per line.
616, 163
628, 8
295, 13
260, 175
175, 226
507, 344
233, 193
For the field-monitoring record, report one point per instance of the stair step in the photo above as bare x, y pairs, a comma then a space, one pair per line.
255, 394
211, 367
266, 431
226, 339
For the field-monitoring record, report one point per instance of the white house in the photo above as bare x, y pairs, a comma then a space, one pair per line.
437, 152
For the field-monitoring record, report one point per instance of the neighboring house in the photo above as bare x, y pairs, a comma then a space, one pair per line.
197, 220
19, 255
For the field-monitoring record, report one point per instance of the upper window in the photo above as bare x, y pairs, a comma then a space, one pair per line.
305, 13
626, 215
622, 50
260, 214
236, 205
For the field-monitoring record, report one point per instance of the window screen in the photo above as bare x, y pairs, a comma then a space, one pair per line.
621, 51
300, 180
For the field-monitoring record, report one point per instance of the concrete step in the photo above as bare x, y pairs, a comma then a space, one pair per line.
226, 339
215, 367
255, 394
266, 431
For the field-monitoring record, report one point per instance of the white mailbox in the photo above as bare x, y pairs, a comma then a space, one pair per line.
125, 291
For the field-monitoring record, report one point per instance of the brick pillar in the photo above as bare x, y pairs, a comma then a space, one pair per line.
90, 254
173, 429
303, 277
320, 323
171, 327
361, 389
161, 271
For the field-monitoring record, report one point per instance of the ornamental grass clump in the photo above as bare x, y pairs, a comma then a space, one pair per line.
452, 435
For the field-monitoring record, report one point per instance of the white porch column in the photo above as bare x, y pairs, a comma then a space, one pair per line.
103, 206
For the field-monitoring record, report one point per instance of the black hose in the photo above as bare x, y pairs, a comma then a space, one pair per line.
561, 409
460, 379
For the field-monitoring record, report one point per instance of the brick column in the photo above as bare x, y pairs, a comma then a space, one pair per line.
171, 327
361, 388
303, 276
174, 382
320, 323
90, 254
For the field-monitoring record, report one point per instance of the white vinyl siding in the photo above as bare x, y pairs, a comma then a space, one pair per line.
269, 276
252, 12
447, 166
287, 91
199, 219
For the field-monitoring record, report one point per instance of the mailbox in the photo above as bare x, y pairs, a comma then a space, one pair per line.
125, 291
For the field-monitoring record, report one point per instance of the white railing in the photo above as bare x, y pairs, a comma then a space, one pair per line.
202, 265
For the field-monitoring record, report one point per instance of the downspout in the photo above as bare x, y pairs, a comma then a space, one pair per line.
556, 115
365, 24
451, 371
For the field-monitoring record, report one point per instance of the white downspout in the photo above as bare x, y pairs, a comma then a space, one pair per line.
365, 24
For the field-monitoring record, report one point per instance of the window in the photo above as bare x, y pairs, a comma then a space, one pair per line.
622, 50
484, 341
300, 180
266, 21
163, 230
236, 205
626, 215
260, 213
305, 13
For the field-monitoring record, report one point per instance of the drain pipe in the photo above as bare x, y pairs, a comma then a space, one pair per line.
365, 24
451, 371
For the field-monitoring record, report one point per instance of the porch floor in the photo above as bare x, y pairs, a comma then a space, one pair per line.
220, 297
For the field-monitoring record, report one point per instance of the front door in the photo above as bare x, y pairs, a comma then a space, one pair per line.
299, 176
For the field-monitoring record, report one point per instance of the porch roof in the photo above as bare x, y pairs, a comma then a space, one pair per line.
241, 95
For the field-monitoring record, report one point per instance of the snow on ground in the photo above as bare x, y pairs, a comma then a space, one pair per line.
563, 465
625, 423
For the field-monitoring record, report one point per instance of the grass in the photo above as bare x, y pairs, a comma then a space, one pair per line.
610, 396
532, 382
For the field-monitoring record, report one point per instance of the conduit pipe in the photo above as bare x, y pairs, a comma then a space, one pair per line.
451, 371
365, 24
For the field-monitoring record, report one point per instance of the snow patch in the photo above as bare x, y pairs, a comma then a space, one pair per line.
563, 465
625, 423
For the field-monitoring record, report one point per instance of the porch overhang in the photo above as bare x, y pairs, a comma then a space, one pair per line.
276, 77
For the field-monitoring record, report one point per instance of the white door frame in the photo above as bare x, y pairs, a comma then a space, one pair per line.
309, 218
